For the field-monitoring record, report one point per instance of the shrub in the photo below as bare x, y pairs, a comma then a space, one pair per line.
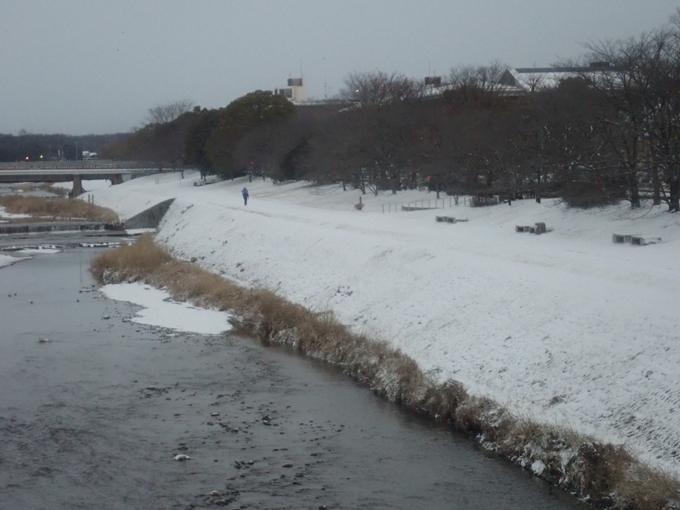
586, 195
130, 261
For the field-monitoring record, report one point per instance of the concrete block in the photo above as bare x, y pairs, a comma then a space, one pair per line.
644, 241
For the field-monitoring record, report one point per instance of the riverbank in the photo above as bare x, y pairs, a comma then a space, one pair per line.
566, 328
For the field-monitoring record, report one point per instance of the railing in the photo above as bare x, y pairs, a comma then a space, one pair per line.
88, 165
419, 205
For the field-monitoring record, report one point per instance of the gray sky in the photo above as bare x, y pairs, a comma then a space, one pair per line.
96, 66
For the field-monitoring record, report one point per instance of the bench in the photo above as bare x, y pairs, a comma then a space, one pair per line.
644, 241
623, 238
206, 182
635, 239
448, 219
538, 228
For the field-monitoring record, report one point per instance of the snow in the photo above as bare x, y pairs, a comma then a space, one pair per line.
40, 250
565, 327
88, 185
139, 231
6, 260
537, 467
5, 214
159, 310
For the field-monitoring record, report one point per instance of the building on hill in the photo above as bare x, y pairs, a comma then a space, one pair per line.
532, 79
433, 86
296, 90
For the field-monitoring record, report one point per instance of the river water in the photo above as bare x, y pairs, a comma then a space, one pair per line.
94, 417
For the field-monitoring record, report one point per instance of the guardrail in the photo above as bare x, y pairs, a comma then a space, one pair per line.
89, 165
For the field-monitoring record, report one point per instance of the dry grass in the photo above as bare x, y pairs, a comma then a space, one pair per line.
57, 208
129, 262
604, 474
23, 188
651, 488
55, 190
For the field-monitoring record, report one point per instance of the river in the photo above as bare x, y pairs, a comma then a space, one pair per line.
95, 416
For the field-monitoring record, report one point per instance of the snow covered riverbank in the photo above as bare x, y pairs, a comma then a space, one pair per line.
565, 327
6, 260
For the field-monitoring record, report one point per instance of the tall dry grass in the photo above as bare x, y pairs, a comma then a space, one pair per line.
57, 208
55, 190
603, 474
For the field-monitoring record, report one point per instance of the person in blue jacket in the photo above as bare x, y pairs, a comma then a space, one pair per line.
244, 192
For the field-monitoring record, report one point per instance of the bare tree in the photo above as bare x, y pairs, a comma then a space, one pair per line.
643, 85
535, 81
478, 83
338, 152
380, 89
162, 114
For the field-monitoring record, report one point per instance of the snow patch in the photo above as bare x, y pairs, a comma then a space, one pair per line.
160, 310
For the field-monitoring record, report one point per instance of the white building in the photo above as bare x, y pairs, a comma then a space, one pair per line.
533, 79
296, 90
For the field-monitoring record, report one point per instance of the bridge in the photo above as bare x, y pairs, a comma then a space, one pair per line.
77, 171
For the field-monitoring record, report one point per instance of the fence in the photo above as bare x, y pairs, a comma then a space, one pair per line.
422, 205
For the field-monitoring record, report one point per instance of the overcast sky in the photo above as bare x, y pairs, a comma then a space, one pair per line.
96, 66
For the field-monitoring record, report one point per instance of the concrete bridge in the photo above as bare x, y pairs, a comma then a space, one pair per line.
77, 171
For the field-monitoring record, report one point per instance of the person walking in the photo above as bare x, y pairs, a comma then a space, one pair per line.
244, 192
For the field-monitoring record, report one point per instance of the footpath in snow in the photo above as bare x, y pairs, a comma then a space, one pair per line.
565, 327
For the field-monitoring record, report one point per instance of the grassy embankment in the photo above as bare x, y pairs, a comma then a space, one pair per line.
603, 474
53, 209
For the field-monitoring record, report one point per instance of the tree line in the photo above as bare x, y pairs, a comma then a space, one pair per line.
606, 133
40, 147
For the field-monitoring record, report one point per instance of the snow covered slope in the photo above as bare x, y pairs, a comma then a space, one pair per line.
565, 327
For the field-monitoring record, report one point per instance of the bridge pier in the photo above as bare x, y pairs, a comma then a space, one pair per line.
116, 179
77, 186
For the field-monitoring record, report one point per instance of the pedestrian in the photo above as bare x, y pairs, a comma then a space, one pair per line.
244, 192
